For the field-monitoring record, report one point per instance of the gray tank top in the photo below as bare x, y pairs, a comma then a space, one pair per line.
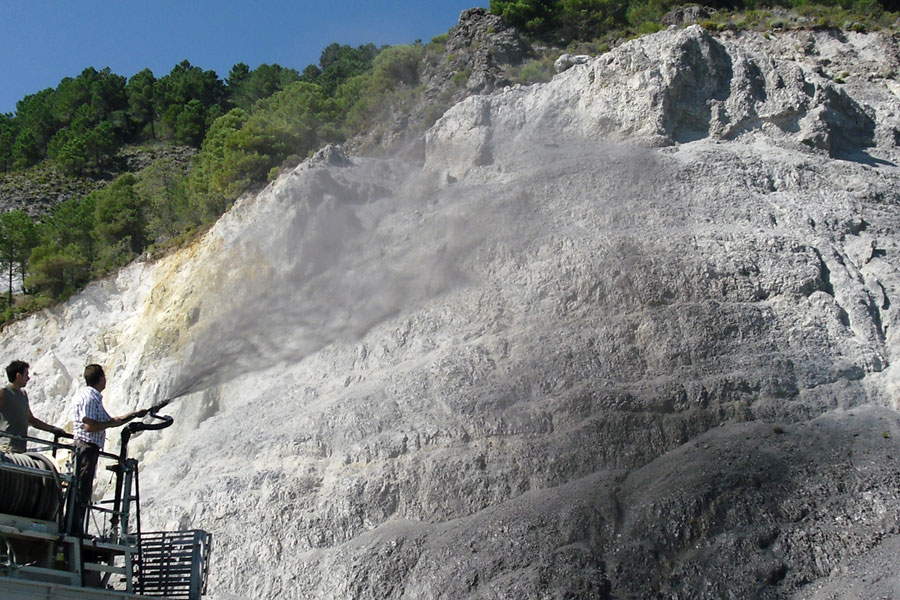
14, 418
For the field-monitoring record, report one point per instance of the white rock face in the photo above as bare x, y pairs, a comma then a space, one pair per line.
631, 333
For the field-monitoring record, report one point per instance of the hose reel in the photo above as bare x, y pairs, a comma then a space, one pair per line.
31, 486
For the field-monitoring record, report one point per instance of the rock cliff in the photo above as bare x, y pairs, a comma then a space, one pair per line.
628, 334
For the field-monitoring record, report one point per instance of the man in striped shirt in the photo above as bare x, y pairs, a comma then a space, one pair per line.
90, 423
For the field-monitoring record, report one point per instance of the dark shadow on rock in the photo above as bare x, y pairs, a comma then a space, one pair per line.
862, 157
706, 75
851, 128
739, 511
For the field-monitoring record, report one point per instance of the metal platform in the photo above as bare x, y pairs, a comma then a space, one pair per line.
19, 589
47, 551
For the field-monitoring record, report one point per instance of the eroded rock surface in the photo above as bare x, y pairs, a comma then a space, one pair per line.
632, 333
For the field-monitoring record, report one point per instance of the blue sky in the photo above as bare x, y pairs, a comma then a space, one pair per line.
42, 41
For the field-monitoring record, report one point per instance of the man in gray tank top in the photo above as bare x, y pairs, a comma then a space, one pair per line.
15, 412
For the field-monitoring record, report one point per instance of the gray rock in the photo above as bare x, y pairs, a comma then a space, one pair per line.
566, 61
331, 155
481, 44
475, 56
631, 333
687, 15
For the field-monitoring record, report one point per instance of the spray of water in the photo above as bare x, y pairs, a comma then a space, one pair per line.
330, 252
322, 258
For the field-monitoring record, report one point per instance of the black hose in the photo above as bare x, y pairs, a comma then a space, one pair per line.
51, 490
30, 495
134, 427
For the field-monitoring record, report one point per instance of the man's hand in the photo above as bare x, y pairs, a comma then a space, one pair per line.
61, 433
139, 414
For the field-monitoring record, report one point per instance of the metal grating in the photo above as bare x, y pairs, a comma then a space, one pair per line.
173, 564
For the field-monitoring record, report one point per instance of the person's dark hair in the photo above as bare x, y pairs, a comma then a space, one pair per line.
14, 368
93, 374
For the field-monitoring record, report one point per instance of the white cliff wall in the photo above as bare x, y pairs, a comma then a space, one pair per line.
632, 332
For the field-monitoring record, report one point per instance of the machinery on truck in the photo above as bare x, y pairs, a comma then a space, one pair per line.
42, 557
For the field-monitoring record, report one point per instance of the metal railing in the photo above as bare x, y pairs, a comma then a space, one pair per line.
171, 565
174, 565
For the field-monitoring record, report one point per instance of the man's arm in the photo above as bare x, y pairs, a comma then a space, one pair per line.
38, 424
91, 425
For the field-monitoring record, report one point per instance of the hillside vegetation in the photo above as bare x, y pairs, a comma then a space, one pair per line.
564, 21
246, 128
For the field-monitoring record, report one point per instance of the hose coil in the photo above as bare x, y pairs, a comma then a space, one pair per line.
31, 495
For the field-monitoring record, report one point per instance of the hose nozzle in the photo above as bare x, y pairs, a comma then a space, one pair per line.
159, 406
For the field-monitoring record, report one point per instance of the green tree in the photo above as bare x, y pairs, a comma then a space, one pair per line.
71, 224
61, 262
536, 17
210, 185
57, 272
101, 93
141, 104
189, 124
366, 98
236, 78
174, 94
34, 114
71, 151
648, 11
101, 143
90, 113
340, 62
82, 121
241, 149
310, 74
25, 151
119, 223
71, 94
588, 19
397, 65
8, 133
78, 147
186, 82
108, 94
59, 140
18, 237
246, 87
162, 189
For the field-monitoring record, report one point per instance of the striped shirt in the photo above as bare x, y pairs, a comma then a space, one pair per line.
89, 403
